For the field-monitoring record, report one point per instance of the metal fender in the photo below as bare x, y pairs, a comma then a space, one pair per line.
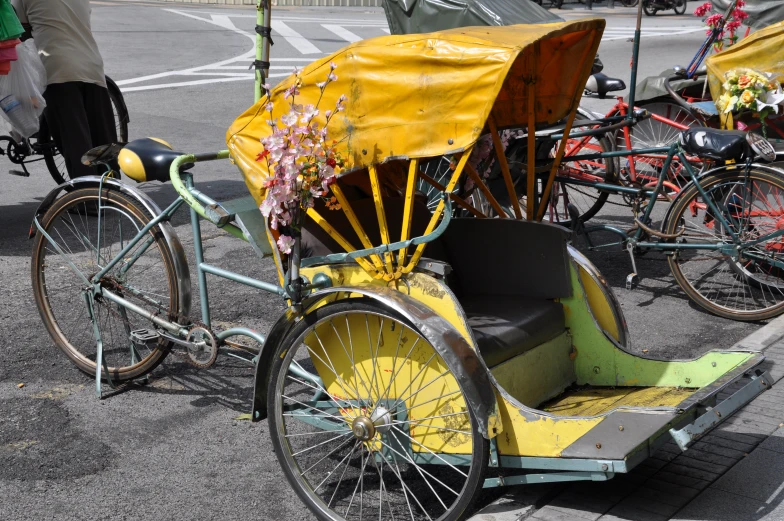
471, 374
180, 261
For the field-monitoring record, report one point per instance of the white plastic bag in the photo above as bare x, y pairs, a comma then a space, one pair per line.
21, 91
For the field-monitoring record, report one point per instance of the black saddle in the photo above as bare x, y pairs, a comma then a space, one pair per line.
148, 159
602, 84
719, 145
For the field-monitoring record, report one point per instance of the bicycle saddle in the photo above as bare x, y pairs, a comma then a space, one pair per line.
711, 143
148, 159
602, 84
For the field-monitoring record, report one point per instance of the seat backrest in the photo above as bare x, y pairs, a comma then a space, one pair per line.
507, 257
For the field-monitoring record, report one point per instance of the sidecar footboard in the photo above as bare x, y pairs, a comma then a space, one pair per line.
712, 416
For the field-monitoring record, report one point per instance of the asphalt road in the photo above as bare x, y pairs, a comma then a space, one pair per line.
173, 449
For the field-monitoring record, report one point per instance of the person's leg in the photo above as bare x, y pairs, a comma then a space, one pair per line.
100, 115
65, 114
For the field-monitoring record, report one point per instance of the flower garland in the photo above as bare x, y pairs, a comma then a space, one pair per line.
714, 20
302, 164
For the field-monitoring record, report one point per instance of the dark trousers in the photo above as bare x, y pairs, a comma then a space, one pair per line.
80, 117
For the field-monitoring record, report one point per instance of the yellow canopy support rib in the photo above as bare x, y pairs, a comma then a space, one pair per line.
352, 218
342, 241
381, 215
408, 209
500, 154
439, 210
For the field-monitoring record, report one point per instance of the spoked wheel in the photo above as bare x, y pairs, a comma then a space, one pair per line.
745, 285
439, 170
680, 6
586, 199
651, 133
52, 157
78, 243
368, 421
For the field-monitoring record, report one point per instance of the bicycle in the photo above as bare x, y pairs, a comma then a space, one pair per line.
721, 232
41, 147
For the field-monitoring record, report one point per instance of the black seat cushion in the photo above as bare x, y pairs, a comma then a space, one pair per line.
711, 143
605, 84
505, 327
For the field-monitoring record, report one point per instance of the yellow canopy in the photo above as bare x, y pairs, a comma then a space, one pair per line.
424, 95
761, 51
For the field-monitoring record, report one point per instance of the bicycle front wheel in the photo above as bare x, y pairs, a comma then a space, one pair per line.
77, 243
745, 285
55, 162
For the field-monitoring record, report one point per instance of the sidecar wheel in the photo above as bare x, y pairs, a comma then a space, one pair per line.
368, 421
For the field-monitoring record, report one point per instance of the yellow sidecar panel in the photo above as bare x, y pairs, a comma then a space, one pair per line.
425, 95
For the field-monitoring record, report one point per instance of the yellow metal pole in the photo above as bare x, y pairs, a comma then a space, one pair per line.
408, 209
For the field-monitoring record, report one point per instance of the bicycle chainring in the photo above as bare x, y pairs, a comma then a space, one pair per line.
203, 349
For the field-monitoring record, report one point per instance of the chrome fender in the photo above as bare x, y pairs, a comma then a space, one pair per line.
470, 372
181, 269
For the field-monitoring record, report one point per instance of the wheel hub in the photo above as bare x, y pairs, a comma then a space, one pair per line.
363, 428
382, 419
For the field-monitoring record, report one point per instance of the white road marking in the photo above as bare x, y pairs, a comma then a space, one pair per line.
342, 33
192, 83
236, 69
224, 21
295, 39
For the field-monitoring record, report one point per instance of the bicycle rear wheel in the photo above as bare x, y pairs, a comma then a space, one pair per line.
588, 200
747, 285
145, 276
55, 162
651, 133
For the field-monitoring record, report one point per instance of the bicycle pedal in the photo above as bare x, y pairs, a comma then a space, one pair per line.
19, 173
143, 337
632, 279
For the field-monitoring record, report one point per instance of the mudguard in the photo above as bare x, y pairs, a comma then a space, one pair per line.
181, 269
470, 372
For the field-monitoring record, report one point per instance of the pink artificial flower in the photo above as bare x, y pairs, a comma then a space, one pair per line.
289, 119
740, 3
739, 15
703, 9
713, 20
285, 243
732, 26
310, 112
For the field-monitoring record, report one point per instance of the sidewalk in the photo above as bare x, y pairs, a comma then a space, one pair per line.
735, 473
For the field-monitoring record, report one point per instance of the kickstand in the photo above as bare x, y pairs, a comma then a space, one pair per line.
632, 279
100, 363
578, 227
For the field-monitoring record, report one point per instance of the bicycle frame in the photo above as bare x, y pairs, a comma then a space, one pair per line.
653, 194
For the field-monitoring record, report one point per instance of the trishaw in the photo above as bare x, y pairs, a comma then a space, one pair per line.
421, 357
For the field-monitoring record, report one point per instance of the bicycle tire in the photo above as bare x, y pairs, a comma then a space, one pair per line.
651, 133
716, 289
75, 337
54, 161
444, 492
